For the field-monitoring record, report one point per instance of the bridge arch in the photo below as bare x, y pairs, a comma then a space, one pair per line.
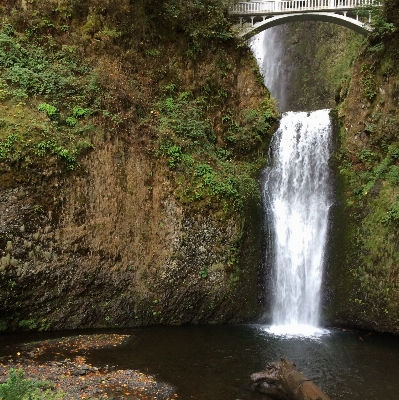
334, 18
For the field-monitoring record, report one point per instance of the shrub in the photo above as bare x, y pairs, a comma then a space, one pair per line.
28, 323
18, 388
48, 108
7, 145
71, 121
392, 214
79, 112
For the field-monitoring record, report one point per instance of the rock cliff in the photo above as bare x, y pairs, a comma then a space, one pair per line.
132, 135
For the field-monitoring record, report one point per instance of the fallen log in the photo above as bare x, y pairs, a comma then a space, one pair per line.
281, 380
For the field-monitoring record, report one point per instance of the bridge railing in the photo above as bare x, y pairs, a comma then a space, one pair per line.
270, 6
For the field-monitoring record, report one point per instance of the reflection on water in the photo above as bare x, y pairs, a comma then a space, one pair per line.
214, 362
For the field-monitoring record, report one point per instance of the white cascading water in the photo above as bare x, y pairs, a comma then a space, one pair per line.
266, 47
298, 197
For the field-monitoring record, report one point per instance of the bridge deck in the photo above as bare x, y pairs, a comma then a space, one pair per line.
273, 7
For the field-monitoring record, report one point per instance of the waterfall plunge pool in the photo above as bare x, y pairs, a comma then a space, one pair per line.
215, 362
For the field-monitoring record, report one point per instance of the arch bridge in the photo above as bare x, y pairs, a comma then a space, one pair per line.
257, 16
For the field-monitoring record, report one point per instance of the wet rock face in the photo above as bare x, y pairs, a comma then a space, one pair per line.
26, 229
86, 251
203, 272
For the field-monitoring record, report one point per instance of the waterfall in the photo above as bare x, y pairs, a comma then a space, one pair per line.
268, 50
297, 197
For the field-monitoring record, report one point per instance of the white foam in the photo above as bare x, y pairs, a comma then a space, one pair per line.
296, 330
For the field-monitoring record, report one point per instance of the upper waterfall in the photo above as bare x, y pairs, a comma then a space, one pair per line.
268, 50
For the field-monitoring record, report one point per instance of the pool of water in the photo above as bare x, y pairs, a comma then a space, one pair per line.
215, 362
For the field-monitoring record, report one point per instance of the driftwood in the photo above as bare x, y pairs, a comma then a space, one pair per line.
282, 381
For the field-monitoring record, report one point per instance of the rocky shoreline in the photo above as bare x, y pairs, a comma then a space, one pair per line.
73, 375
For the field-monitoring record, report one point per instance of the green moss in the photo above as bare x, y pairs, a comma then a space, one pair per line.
208, 171
29, 72
322, 74
369, 169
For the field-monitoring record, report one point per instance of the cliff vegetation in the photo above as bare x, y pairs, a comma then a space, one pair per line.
131, 138
368, 270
